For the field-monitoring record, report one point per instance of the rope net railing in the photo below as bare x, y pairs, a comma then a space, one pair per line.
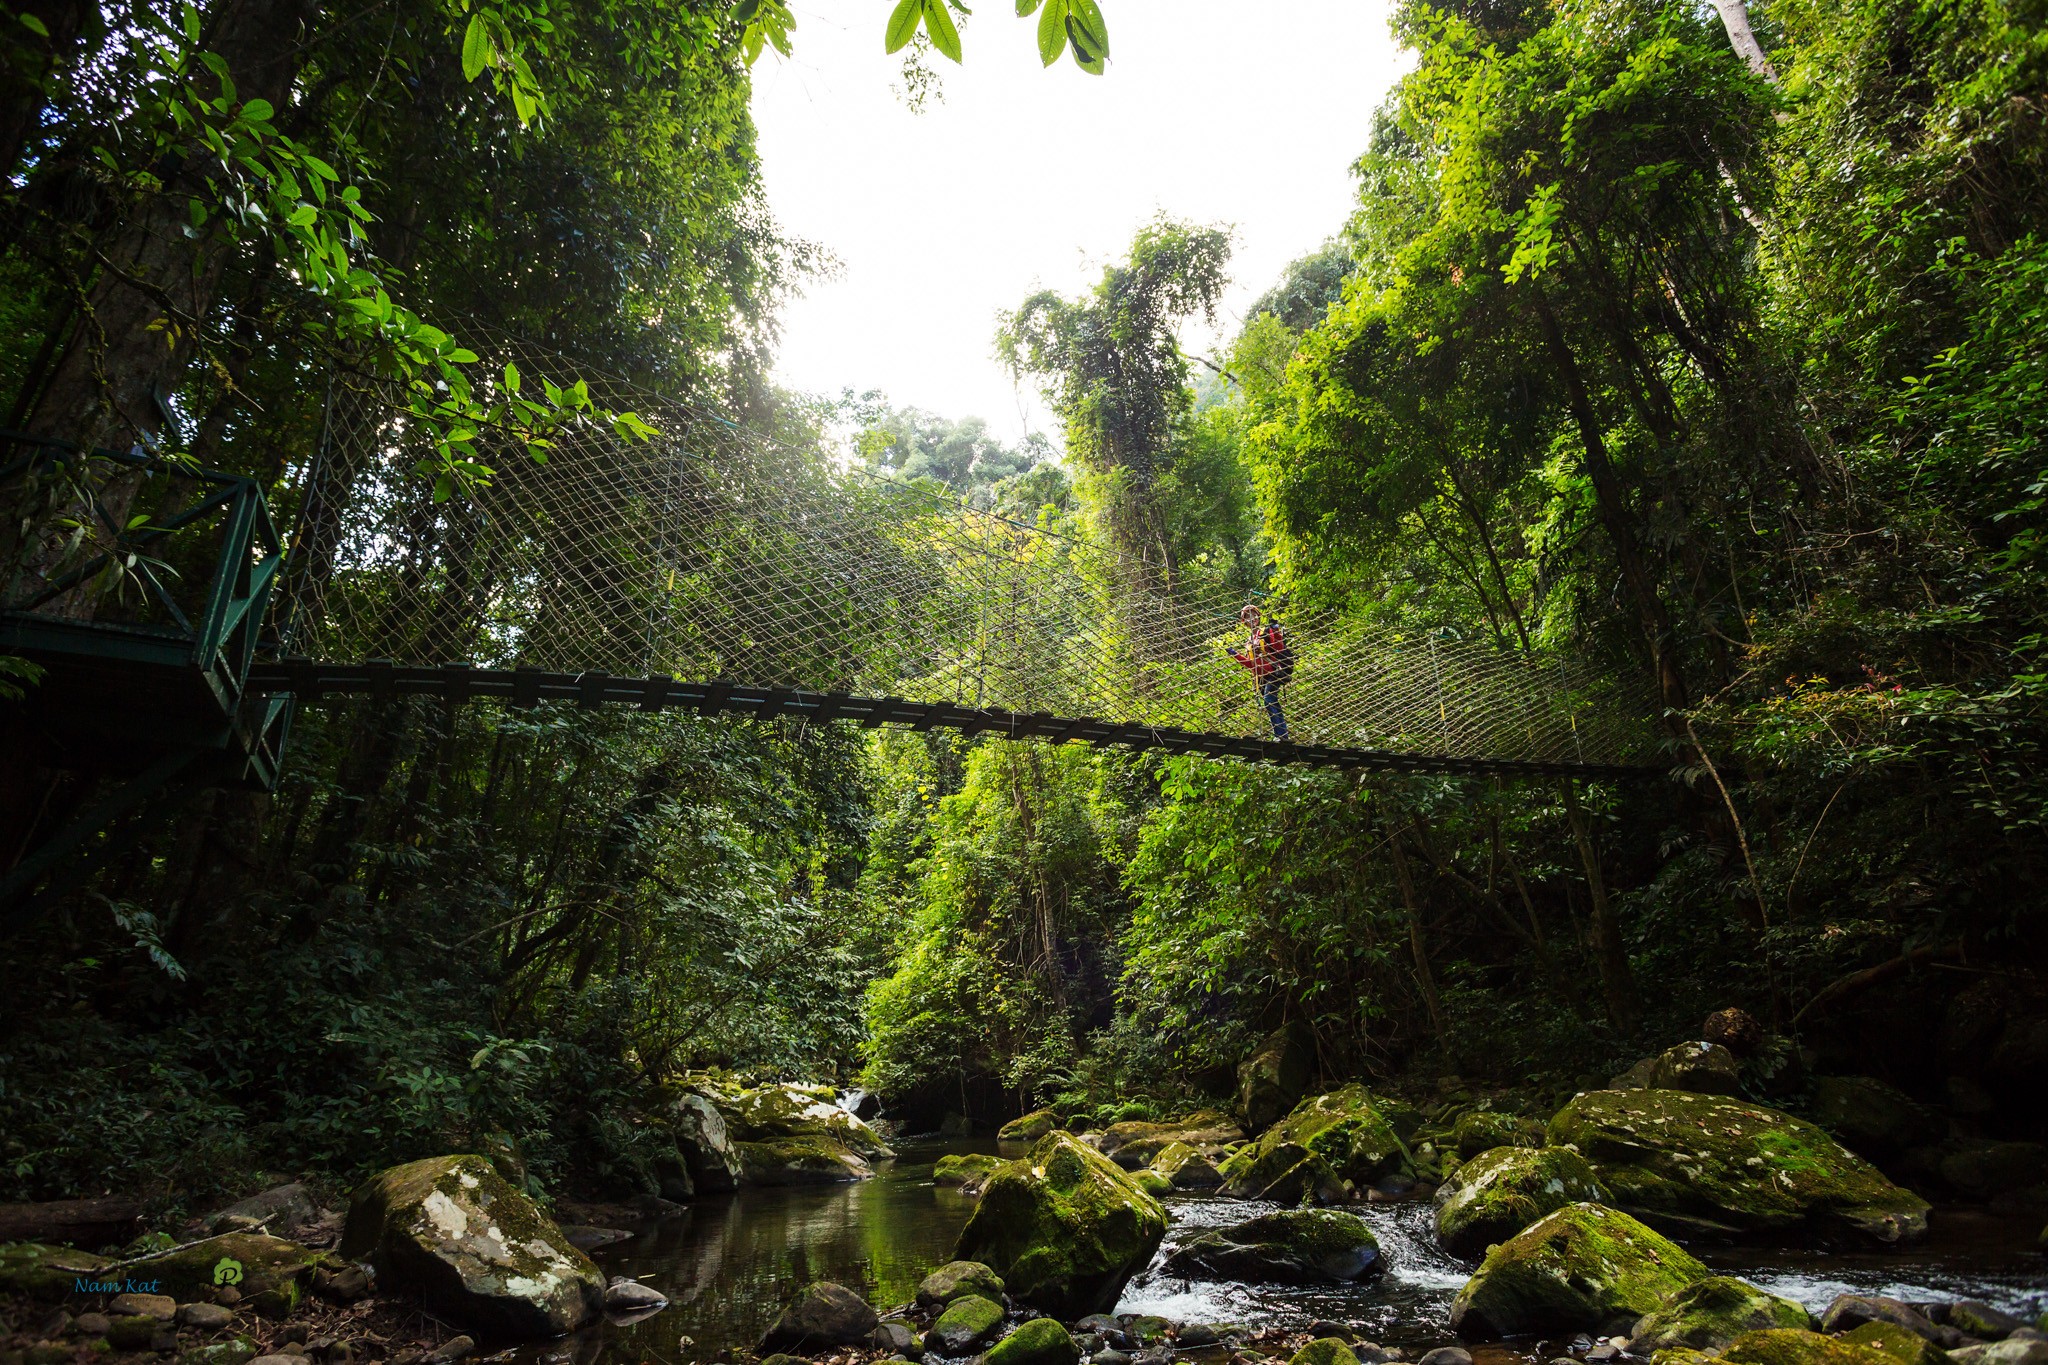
711, 552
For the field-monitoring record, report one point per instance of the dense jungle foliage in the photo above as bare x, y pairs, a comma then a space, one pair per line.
1732, 376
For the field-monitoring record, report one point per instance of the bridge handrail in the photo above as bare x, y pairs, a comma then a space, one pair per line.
226, 637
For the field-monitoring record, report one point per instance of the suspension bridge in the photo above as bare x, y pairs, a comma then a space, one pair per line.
709, 568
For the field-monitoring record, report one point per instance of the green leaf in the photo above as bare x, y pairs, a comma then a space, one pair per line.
34, 25
462, 356
903, 24
745, 10
938, 22
258, 111
1088, 33
1052, 31
302, 216
511, 377
1025, 8
477, 49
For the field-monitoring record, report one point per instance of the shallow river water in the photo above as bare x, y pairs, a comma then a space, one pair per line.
728, 1265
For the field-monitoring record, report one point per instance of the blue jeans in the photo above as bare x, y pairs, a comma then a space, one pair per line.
1269, 693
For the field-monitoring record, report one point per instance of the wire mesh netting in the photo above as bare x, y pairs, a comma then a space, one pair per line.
711, 552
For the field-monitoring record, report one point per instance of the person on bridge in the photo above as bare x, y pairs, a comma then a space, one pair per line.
1271, 661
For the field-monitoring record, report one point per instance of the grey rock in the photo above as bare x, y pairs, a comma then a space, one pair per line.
899, 1338
1110, 1357
1850, 1311
1447, 1355
1098, 1322
1322, 1329
705, 1145
822, 1314
477, 1251
205, 1317
279, 1212
453, 1349
338, 1286
92, 1324
2007, 1352
277, 1359
1980, 1319
630, 1296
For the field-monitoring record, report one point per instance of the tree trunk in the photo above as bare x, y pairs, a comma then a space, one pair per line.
1610, 955
142, 316
1616, 518
1425, 979
40, 63
1735, 18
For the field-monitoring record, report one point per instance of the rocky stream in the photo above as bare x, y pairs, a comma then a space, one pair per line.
1662, 1220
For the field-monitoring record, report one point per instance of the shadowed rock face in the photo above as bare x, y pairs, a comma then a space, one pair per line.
1302, 1246
475, 1250
1704, 1161
1581, 1268
823, 1314
1064, 1227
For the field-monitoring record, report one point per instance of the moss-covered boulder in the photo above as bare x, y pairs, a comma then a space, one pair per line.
1904, 1347
1701, 1067
1329, 1148
965, 1169
1302, 1246
1786, 1346
957, 1279
1703, 1161
1040, 1341
1138, 1143
273, 1274
1482, 1130
475, 1250
1030, 1128
1064, 1227
967, 1322
1186, 1169
775, 1113
1582, 1268
1499, 1192
1152, 1182
1708, 1315
809, 1159
1273, 1079
1325, 1351
38, 1271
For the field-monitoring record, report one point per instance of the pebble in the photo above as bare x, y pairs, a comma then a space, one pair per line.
275, 1360
92, 1324
1602, 1353
1322, 1328
1447, 1355
206, 1317
228, 1295
1109, 1357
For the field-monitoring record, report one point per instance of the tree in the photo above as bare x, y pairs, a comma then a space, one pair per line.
1112, 367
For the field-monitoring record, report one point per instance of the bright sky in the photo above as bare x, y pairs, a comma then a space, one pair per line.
1238, 112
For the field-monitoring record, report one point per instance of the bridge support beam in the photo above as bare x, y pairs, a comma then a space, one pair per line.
309, 680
